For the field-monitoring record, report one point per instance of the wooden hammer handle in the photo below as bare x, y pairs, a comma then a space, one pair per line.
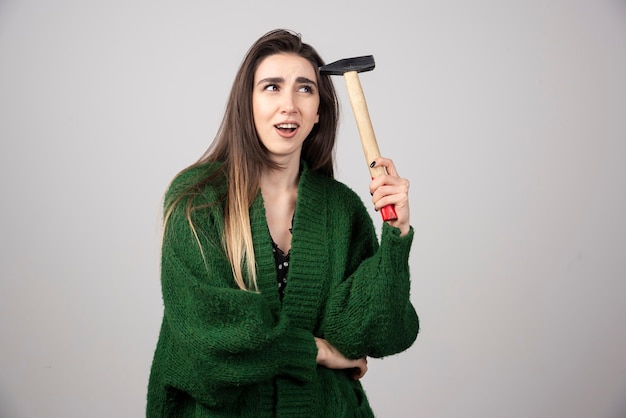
366, 132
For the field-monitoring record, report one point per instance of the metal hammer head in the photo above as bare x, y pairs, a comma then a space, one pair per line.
358, 64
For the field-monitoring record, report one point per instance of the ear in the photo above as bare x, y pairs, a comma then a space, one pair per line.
317, 119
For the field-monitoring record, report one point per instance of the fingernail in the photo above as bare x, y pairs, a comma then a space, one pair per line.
372, 164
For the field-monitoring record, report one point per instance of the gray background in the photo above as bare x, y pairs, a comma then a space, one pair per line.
507, 117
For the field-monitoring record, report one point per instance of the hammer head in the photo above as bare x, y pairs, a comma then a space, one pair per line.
358, 64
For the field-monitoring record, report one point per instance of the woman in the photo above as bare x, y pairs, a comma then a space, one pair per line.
275, 286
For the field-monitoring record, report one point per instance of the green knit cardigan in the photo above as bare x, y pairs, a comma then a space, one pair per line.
224, 352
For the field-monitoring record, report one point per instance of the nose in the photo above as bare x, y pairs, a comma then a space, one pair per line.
288, 105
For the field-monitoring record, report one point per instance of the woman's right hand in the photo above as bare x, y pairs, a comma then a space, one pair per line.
328, 356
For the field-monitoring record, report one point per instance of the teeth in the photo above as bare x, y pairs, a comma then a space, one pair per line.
287, 126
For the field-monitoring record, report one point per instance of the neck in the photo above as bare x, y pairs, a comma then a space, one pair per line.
283, 179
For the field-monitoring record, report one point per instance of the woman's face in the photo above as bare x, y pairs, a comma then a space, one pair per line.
285, 103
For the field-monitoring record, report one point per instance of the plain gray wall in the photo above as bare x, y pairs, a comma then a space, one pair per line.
509, 118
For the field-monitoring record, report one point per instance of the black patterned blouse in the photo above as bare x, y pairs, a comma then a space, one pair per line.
282, 266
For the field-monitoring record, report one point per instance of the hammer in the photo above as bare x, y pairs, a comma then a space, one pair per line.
349, 68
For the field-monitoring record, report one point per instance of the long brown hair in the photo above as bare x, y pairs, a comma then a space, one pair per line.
238, 147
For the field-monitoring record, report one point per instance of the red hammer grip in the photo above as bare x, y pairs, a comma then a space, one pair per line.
388, 213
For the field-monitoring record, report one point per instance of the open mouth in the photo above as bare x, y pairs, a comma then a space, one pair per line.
286, 127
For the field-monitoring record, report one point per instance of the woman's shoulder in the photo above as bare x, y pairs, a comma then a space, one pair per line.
195, 180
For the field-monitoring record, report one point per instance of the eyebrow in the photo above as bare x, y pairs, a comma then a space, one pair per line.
278, 80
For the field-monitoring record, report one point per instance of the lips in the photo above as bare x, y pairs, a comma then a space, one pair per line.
287, 129
287, 126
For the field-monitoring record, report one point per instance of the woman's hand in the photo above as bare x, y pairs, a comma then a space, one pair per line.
328, 356
391, 189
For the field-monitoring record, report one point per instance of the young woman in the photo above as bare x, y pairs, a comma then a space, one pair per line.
275, 286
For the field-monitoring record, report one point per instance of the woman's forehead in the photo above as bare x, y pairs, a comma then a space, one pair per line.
285, 64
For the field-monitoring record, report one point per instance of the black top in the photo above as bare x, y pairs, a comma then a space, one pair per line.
282, 266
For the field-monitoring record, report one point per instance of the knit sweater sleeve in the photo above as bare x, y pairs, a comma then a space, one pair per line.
217, 338
369, 313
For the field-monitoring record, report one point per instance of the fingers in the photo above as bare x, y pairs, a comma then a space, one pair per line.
390, 179
328, 356
391, 189
386, 190
360, 369
388, 164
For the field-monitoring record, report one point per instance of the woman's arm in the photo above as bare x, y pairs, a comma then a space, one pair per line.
370, 312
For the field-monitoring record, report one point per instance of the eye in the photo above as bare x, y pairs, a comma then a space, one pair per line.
306, 89
270, 87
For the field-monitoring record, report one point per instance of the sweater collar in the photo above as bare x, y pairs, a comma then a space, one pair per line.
309, 245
